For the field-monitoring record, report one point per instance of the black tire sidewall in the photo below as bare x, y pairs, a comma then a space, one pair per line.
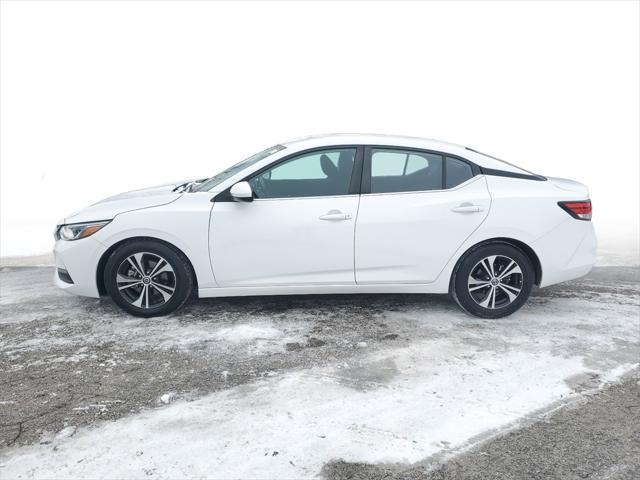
184, 280
461, 292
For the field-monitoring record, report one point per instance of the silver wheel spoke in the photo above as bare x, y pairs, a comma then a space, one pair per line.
164, 290
515, 290
504, 272
511, 269
478, 286
488, 263
165, 268
491, 295
485, 268
512, 296
158, 265
125, 279
136, 262
138, 301
161, 266
126, 282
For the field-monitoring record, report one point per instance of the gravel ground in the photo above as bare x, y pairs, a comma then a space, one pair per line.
69, 362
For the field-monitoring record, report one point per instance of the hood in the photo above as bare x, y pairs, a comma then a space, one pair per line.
126, 202
570, 186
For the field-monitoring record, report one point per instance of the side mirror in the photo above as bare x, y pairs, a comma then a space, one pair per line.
242, 192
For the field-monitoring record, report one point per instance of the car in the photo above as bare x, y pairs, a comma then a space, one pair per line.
335, 214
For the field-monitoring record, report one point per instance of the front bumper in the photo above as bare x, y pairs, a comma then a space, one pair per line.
80, 260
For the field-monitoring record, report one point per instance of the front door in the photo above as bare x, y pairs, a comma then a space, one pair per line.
298, 230
418, 209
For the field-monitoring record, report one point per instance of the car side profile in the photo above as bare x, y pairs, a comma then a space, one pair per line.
335, 214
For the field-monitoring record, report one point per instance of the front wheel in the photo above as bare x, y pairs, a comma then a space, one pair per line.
148, 278
493, 281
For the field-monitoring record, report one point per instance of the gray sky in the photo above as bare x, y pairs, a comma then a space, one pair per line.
99, 98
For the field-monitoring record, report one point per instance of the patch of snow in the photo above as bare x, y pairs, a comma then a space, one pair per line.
167, 397
246, 332
432, 393
257, 337
66, 432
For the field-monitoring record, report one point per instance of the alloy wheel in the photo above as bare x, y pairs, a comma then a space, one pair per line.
495, 281
146, 280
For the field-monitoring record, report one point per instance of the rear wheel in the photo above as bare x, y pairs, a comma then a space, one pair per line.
148, 278
493, 281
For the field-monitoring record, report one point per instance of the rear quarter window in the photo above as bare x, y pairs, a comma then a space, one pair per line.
457, 172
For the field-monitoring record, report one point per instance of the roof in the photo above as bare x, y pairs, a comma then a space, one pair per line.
372, 139
478, 158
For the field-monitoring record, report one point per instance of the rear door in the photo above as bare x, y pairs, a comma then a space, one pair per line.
416, 209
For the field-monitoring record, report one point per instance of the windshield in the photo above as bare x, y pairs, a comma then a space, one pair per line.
231, 171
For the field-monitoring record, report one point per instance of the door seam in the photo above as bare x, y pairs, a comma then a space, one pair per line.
355, 226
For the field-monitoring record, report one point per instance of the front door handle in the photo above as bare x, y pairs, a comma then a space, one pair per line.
335, 215
467, 208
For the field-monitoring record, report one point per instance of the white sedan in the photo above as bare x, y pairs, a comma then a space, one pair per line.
335, 214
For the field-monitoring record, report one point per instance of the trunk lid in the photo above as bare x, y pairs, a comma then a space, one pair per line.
579, 189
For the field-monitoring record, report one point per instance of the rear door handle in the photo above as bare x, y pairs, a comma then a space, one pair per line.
335, 215
467, 208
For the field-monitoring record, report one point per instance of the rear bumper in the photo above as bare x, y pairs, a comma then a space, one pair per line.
79, 259
567, 252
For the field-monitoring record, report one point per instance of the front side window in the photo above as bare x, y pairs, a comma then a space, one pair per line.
319, 173
404, 171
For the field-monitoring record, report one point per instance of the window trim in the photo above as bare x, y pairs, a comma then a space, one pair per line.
354, 183
504, 173
361, 175
423, 192
365, 187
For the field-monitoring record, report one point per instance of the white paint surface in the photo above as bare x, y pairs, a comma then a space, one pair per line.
103, 97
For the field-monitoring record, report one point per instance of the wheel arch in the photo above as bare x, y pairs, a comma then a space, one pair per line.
105, 256
520, 245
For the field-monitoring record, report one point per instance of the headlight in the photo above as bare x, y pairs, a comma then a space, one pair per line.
76, 231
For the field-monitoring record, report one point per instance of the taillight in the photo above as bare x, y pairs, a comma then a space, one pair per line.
579, 209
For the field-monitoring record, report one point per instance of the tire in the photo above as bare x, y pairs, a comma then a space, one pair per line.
148, 278
487, 284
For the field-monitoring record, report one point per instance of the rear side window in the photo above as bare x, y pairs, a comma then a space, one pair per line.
404, 171
457, 172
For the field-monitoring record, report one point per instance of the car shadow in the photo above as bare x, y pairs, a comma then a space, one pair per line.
346, 303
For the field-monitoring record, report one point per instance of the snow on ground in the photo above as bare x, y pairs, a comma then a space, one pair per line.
388, 378
394, 404
416, 400
419, 400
